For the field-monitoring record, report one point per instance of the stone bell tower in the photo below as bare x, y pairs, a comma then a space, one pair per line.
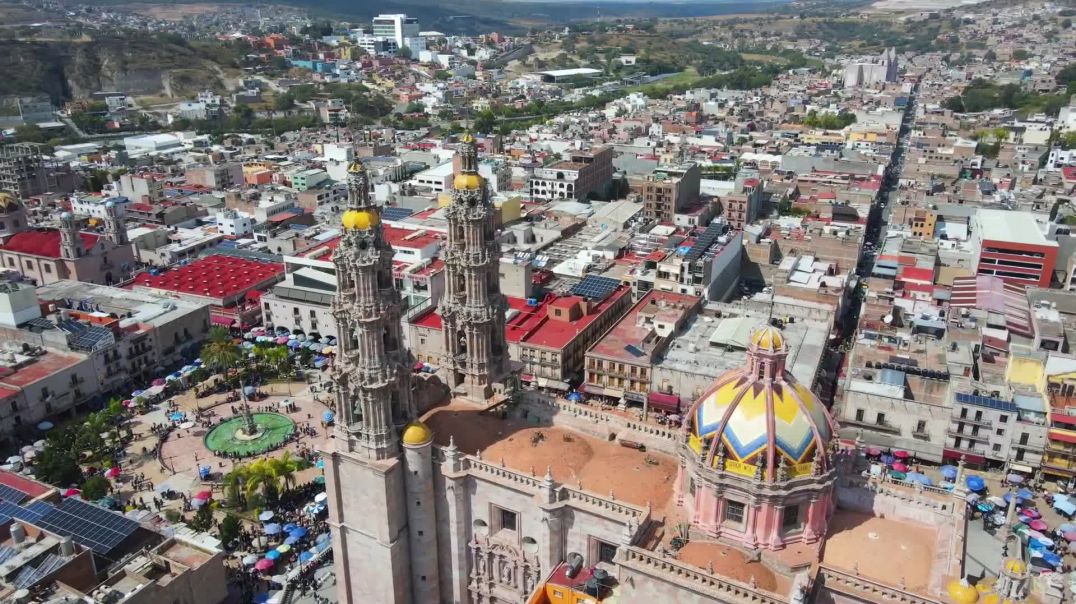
473, 308
365, 473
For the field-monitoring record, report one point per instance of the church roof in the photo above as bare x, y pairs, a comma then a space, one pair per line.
44, 243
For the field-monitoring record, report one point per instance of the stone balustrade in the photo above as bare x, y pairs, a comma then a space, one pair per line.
478, 466
868, 589
577, 496
721, 589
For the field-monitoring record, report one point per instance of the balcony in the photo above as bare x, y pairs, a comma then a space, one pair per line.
983, 436
878, 427
974, 422
921, 435
1027, 447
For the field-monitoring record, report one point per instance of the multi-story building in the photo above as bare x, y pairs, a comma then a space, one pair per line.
985, 430
585, 173
620, 365
868, 72
399, 30
670, 189
707, 265
923, 221
231, 223
217, 176
1011, 245
25, 172
742, 205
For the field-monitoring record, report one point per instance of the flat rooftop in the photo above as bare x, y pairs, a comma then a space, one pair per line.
44, 366
1016, 227
217, 276
628, 331
541, 330
881, 549
600, 466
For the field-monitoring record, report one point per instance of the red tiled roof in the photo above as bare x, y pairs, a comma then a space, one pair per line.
628, 331
214, 276
551, 333
1063, 436
44, 242
408, 238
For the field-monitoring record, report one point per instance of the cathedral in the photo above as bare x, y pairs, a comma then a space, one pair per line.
531, 499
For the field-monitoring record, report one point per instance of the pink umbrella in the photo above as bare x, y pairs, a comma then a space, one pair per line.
263, 564
1030, 513
159, 382
901, 454
899, 467
1038, 525
1070, 536
72, 493
112, 472
204, 495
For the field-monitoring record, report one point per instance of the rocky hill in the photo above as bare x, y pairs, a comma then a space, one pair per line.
71, 69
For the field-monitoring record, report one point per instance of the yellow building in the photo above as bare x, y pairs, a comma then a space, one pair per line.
923, 222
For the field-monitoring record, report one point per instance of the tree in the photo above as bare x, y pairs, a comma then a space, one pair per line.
95, 488
57, 466
229, 529
29, 133
1020, 54
283, 102
220, 352
404, 52
990, 56
283, 469
203, 518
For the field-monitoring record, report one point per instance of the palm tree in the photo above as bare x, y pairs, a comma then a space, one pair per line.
220, 352
283, 469
277, 358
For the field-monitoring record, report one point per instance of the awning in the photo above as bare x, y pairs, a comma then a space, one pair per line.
555, 384
664, 402
637, 397
613, 392
219, 320
955, 455
1019, 467
526, 377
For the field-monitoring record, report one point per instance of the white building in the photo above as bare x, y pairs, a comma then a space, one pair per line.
94, 206
867, 72
152, 143
437, 178
231, 223
399, 30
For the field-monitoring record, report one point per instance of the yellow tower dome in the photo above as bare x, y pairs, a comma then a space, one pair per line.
467, 138
768, 339
416, 433
360, 219
356, 167
962, 592
1016, 567
467, 182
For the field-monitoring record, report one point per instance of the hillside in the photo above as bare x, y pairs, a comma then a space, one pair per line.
136, 65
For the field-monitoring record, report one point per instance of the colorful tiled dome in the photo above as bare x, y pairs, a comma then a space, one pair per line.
760, 413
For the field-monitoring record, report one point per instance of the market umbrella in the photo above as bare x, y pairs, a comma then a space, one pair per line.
248, 390
327, 416
1064, 528
264, 564
289, 527
159, 382
887, 459
250, 560
975, 483
320, 464
112, 472
197, 503
1045, 541
899, 454
1052, 559
177, 416
319, 480
1035, 545
922, 479
291, 540
899, 467
285, 548
272, 554
322, 538
298, 533
72, 493
869, 451
1072, 546
1025, 494
266, 516
14, 459
970, 497
1025, 519
320, 497
272, 529
305, 557
45, 426
985, 507
897, 475
949, 472
1030, 513
1014, 478
203, 494
1038, 525
1020, 529
186, 425
1064, 505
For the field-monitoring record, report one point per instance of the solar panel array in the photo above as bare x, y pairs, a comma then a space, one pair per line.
92, 337
703, 243
985, 401
396, 213
10, 510
595, 287
8, 493
88, 525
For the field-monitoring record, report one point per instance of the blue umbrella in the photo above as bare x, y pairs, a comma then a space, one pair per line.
299, 532
294, 343
322, 538
272, 529
975, 483
272, 554
137, 393
261, 598
1066, 528
248, 390
327, 416
292, 540
320, 464
289, 527
176, 375
305, 557
1051, 558
920, 478
178, 416
888, 459
948, 472
575, 397
1025, 494
266, 516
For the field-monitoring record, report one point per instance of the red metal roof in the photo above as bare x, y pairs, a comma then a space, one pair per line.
32, 488
1061, 418
214, 276
44, 243
1063, 436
